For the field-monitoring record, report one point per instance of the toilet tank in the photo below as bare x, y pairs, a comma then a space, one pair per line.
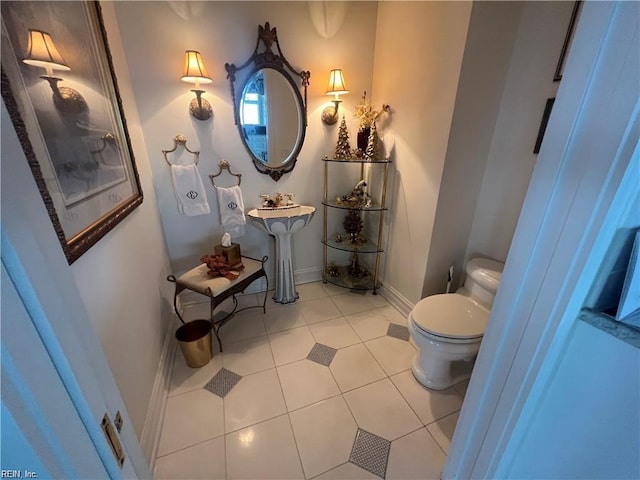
483, 278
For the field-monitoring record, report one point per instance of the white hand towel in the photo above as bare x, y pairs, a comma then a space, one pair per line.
231, 210
189, 190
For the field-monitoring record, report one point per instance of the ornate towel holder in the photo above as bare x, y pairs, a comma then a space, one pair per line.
181, 140
224, 165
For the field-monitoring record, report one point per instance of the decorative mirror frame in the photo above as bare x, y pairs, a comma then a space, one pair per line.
276, 61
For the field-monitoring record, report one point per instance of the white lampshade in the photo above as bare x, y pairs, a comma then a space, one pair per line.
194, 69
41, 52
337, 85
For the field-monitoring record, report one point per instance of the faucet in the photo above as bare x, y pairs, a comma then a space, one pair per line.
289, 198
266, 200
278, 199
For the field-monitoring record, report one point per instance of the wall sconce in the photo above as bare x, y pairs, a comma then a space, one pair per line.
336, 87
195, 72
41, 52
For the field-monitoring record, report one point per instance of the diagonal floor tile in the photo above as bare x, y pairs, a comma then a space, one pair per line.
256, 398
346, 471
336, 333
266, 450
398, 331
393, 355
284, 317
349, 303
369, 325
324, 434
184, 378
222, 382
319, 310
380, 409
291, 345
322, 354
306, 382
429, 405
442, 430
242, 326
248, 356
311, 291
370, 452
202, 461
354, 366
190, 418
393, 315
416, 455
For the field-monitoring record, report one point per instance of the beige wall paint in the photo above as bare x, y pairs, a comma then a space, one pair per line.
418, 56
314, 36
542, 30
489, 47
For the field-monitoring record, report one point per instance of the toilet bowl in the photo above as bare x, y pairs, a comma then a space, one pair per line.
447, 329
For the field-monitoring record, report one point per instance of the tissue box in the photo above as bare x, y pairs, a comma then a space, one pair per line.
231, 253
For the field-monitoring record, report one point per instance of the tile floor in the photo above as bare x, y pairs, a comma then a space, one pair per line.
319, 389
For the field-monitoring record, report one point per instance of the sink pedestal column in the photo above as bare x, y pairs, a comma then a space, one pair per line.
285, 283
282, 224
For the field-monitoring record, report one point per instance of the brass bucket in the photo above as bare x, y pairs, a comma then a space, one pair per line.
195, 342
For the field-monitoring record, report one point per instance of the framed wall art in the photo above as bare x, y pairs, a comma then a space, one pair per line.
543, 124
60, 90
568, 40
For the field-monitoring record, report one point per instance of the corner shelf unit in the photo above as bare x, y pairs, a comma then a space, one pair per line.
361, 269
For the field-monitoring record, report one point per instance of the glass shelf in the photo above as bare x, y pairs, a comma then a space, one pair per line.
343, 279
355, 160
344, 206
347, 246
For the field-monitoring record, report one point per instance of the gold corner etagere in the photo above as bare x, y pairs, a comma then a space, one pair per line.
352, 250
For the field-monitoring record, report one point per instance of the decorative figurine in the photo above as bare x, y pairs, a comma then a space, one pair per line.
343, 148
372, 153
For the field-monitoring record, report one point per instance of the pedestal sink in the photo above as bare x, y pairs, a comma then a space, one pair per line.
282, 223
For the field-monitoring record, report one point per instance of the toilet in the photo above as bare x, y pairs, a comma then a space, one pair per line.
447, 329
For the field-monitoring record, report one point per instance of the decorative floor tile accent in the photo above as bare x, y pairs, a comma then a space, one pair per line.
222, 382
322, 354
398, 331
370, 452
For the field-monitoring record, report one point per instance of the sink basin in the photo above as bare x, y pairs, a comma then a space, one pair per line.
264, 218
282, 223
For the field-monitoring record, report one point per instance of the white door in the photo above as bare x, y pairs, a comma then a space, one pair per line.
56, 383
48, 428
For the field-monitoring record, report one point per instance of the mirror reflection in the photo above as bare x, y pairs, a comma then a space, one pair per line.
270, 105
270, 117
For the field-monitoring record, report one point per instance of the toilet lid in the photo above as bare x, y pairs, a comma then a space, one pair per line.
450, 315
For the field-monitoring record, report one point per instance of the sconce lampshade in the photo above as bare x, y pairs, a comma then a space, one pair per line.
41, 52
194, 69
337, 85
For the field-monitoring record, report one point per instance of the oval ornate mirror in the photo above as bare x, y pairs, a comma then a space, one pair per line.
269, 109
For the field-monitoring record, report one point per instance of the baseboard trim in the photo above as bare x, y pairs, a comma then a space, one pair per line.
150, 438
307, 275
395, 298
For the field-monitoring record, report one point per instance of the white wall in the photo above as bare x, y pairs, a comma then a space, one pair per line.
507, 75
489, 48
542, 30
586, 425
314, 36
418, 56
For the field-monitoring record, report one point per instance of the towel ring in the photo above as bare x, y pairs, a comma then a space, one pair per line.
224, 165
180, 140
